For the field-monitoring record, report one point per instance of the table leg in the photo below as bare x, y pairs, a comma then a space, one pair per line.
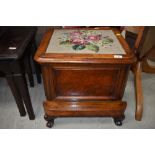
38, 72
22, 85
16, 95
36, 65
28, 68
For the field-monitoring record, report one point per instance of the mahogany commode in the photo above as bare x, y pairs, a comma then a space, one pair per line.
84, 72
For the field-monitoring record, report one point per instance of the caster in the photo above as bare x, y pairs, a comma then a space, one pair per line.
50, 123
118, 122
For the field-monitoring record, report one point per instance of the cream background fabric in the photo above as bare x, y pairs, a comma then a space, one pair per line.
55, 47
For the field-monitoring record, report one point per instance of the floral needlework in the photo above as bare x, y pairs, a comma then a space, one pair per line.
85, 39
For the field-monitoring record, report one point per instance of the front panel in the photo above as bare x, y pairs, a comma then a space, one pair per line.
86, 83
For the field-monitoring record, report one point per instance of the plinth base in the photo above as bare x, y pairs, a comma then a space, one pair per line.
114, 109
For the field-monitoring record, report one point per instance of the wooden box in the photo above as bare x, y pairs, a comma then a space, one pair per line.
84, 72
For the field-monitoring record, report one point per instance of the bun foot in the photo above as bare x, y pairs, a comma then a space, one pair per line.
118, 120
50, 123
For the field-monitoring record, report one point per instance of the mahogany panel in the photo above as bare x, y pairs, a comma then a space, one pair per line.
78, 82
85, 82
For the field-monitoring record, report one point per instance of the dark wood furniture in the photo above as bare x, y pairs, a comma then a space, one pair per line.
15, 49
85, 84
142, 43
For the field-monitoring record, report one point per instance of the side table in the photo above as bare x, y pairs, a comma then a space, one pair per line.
12, 53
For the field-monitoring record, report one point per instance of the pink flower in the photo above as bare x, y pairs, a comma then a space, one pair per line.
77, 41
94, 37
75, 33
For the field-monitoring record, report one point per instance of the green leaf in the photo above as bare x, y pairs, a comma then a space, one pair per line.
107, 41
64, 42
92, 47
78, 47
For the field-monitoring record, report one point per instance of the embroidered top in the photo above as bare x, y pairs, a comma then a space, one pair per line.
84, 42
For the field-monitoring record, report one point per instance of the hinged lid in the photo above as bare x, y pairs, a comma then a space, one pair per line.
84, 45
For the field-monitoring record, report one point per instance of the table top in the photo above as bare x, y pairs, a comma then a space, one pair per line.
14, 42
86, 45
84, 42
